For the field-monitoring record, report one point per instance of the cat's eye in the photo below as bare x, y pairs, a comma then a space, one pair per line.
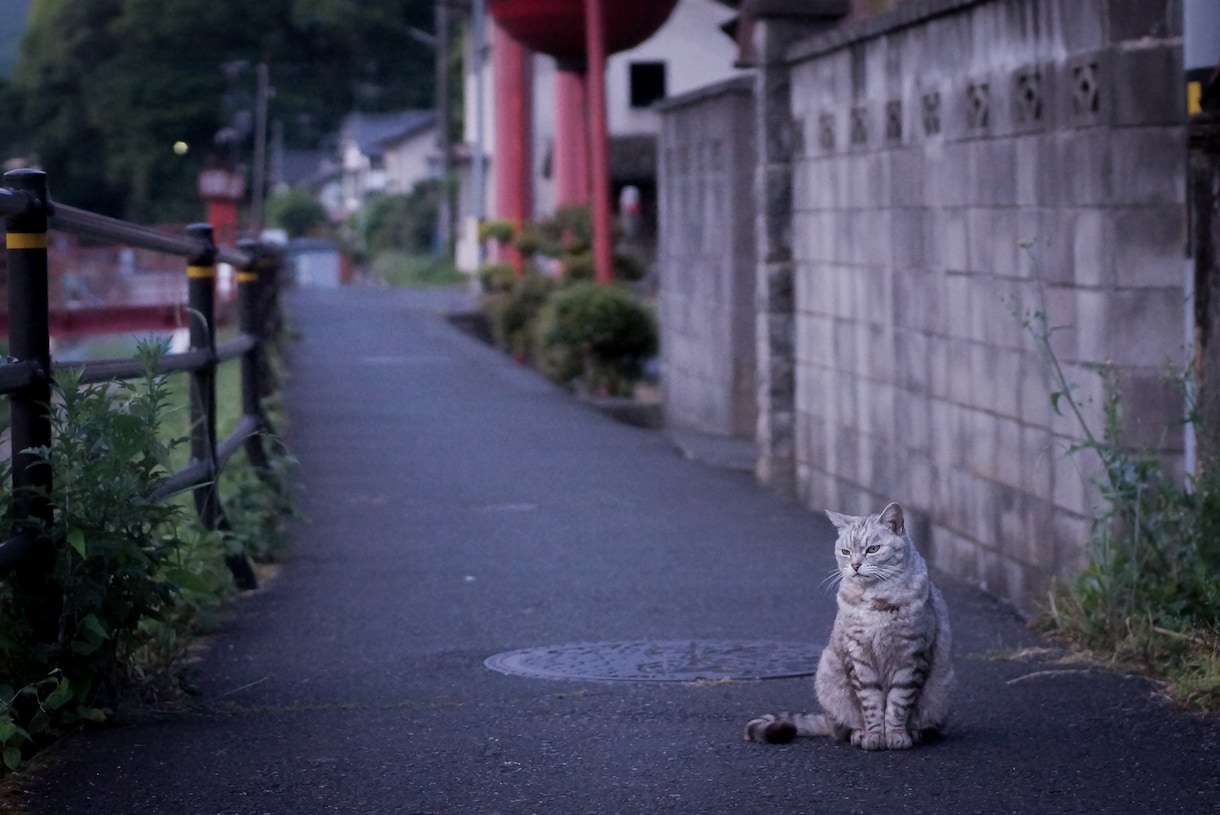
845, 552
872, 550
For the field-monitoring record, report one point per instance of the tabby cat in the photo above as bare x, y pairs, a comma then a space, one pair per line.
885, 679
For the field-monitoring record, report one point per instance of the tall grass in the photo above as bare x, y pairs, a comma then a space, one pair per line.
1150, 593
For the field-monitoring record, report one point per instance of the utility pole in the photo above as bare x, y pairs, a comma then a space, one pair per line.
444, 220
260, 150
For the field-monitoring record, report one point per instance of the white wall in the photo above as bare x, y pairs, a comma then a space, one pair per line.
409, 161
695, 51
691, 44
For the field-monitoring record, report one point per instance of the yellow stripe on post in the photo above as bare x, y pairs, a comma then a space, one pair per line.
26, 240
247, 277
200, 271
1194, 98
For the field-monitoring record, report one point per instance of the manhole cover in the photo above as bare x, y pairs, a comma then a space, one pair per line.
667, 661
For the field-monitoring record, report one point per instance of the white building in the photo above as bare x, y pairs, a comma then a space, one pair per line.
385, 152
687, 52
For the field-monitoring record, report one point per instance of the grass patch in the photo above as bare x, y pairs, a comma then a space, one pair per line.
397, 268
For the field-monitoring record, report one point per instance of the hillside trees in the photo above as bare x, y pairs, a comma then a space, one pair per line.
106, 88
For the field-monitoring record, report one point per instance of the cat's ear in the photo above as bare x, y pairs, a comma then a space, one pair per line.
840, 521
891, 516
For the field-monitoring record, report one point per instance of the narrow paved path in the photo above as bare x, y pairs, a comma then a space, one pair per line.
458, 507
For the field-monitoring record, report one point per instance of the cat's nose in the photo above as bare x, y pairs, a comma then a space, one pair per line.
856, 566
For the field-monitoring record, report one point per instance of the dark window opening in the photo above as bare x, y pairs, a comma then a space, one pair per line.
647, 83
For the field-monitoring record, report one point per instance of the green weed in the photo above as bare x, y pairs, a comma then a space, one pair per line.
1149, 595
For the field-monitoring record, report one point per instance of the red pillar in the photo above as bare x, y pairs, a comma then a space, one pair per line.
222, 215
599, 141
514, 93
571, 138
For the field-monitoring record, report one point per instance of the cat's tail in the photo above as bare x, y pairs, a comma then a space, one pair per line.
784, 727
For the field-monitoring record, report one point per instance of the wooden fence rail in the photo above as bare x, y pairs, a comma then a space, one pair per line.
28, 375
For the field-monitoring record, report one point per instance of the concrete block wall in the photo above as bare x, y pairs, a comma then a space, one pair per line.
706, 259
965, 164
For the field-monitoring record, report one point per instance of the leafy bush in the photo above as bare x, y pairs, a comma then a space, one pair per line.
582, 334
501, 231
569, 231
596, 337
119, 561
297, 212
402, 222
497, 277
1150, 592
512, 313
130, 580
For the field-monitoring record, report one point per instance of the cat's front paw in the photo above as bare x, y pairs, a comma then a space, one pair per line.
898, 740
867, 741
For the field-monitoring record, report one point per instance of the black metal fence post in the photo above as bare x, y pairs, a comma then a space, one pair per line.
253, 363
201, 294
29, 407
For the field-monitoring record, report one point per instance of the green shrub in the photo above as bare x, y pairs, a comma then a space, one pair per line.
119, 563
501, 231
1149, 595
569, 231
297, 212
596, 338
497, 277
579, 267
403, 222
513, 313
131, 580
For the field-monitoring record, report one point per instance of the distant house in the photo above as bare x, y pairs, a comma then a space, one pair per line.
689, 51
385, 152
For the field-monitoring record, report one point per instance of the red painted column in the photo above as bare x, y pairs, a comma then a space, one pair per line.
222, 215
599, 141
514, 93
571, 138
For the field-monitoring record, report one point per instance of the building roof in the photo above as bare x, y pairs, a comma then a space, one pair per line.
303, 167
372, 132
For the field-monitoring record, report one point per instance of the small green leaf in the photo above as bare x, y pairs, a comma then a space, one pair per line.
127, 436
188, 580
94, 626
7, 729
92, 714
76, 539
60, 696
12, 758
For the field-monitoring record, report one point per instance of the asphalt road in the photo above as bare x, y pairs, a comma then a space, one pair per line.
459, 507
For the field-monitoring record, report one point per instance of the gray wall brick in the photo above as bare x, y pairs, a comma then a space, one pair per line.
893, 266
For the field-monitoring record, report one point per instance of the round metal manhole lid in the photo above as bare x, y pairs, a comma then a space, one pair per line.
666, 661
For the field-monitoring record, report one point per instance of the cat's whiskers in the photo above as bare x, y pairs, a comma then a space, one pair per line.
885, 574
833, 579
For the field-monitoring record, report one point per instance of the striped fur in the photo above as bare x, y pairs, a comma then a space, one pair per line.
885, 679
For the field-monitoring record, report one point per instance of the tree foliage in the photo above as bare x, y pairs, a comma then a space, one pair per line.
106, 88
297, 212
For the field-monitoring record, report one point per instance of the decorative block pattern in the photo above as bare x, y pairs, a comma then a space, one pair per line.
915, 193
922, 242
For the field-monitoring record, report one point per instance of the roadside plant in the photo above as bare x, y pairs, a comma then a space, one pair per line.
1149, 594
514, 312
112, 548
596, 338
130, 579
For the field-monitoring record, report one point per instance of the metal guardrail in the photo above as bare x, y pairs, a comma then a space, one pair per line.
27, 376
